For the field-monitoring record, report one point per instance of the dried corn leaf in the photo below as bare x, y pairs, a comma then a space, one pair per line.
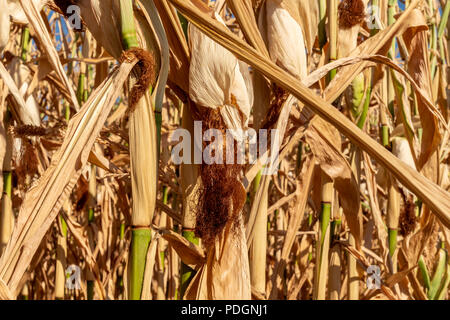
418, 67
189, 253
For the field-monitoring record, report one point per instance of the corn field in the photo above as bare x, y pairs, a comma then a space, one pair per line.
114, 180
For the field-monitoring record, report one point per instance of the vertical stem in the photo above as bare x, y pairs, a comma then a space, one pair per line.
334, 282
188, 179
162, 245
80, 89
90, 215
353, 280
140, 240
433, 40
258, 247
322, 22
444, 19
323, 245
393, 213
333, 24
128, 27
353, 276
61, 253
6, 214
391, 92
25, 43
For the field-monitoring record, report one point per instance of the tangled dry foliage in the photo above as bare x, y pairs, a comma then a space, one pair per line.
357, 90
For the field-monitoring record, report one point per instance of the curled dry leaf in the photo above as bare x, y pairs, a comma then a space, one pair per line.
416, 40
189, 253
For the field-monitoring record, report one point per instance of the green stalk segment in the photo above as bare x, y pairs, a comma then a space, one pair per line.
128, 28
63, 226
392, 241
425, 274
324, 220
322, 22
335, 229
444, 19
7, 183
140, 240
122, 231
385, 136
391, 20
67, 112
80, 89
333, 30
321, 272
438, 276
25, 43
187, 273
365, 110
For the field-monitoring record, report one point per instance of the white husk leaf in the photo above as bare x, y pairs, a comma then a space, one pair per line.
16, 12
401, 149
21, 76
216, 81
285, 40
225, 276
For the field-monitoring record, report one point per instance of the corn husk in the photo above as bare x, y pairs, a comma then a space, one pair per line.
285, 40
218, 83
225, 276
21, 75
